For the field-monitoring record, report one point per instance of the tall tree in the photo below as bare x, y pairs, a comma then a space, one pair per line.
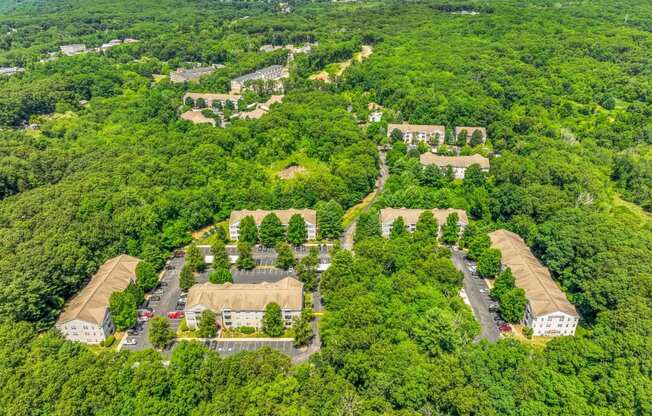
220, 275
302, 328
462, 138
220, 256
398, 228
489, 263
123, 310
248, 232
368, 225
195, 259
206, 328
273, 321
160, 333
476, 138
450, 231
271, 230
329, 217
512, 305
307, 269
284, 256
474, 177
186, 278
297, 230
427, 224
245, 258
146, 276
503, 283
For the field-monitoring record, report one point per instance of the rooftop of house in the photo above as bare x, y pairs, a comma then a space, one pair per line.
284, 215
211, 96
542, 292
416, 128
261, 73
197, 117
411, 215
287, 293
90, 304
454, 161
470, 130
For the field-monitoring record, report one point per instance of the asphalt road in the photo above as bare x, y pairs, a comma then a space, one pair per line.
479, 301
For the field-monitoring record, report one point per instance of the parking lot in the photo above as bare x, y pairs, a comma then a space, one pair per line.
260, 275
230, 347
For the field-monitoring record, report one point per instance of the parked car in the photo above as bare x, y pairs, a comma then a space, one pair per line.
505, 328
145, 312
132, 331
179, 253
183, 295
169, 267
155, 298
131, 341
163, 284
175, 315
494, 307
484, 290
180, 306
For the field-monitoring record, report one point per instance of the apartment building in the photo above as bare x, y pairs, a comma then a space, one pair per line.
6, 71
270, 73
192, 74
212, 100
242, 304
413, 133
74, 49
375, 112
86, 316
308, 215
470, 131
459, 164
411, 216
548, 311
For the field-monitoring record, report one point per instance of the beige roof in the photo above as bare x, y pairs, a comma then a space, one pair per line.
470, 131
542, 292
284, 215
287, 293
253, 114
454, 161
375, 107
90, 304
197, 117
272, 100
210, 96
417, 128
411, 216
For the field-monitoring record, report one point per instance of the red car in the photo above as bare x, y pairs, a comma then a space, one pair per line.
175, 315
145, 313
179, 253
505, 328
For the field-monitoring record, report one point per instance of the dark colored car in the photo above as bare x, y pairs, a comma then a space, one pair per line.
132, 332
505, 328
155, 298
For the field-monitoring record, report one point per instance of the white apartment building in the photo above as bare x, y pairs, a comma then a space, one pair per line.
548, 312
459, 164
413, 133
86, 317
309, 216
241, 304
411, 216
270, 73
212, 99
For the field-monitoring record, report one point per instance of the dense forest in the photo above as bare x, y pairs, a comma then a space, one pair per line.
563, 88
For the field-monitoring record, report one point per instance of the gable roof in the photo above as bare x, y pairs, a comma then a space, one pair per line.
411, 215
287, 293
454, 161
210, 96
309, 215
197, 117
90, 303
542, 292
426, 128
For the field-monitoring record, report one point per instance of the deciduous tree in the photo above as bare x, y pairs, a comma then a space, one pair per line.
271, 230
248, 231
297, 231
273, 321
284, 256
160, 333
206, 328
245, 258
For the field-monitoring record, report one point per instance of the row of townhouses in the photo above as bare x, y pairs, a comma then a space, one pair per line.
411, 216
309, 217
270, 73
181, 75
432, 133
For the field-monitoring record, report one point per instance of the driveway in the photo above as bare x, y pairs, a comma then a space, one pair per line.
479, 301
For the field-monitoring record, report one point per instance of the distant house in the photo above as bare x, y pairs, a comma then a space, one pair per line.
110, 44
375, 112
548, 311
211, 100
196, 117
241, 304
413, 133
411, 216
260, 110
459, 164
270, 73
74, 49
309, 216
86, 317
192, 74
6, 71
470, 131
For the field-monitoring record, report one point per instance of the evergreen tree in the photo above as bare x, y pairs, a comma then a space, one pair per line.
450, 231
206, 327
195, 259
396, 135
248, 232
220, 275
427, 224
450, 138
245, 258
476, 138
186, 278
398, 228
220, 256
146, 276
297, 230
160, 333
271, 230
190, 102
273, 321
462, 138
284, 256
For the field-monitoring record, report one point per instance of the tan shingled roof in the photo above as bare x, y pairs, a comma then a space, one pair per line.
287, 293
284, 215
542, 292
426, 128
411, 216
210, 97
454, 161
90, 304
197, 117
470, 131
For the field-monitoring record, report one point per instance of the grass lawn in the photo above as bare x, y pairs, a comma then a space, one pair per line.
234, 333
537, 342
356, 210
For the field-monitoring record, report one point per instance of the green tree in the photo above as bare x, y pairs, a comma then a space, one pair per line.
201, 103
474, 177
329, 217
489, 263
220, 255
307, 269
190, 102
478, 245
271, 230
450, 138
476, 138
146, 276
396, 135
462, 138
245, 258
273, 321
123, 310
398, 228
368, 225
503, 283
206, 327
220, 275
160, 333
248, 232
512, 305
302, 328
450, 231
186, 278
284, 256
297, 231
195, 259
427, 224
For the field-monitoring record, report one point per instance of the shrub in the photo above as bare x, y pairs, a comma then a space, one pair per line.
527, 331
247, 329
108, 341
